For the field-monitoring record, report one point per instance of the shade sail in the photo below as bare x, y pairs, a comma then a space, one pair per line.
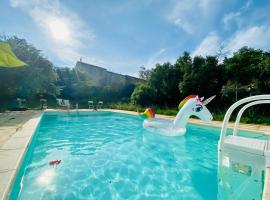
8, 58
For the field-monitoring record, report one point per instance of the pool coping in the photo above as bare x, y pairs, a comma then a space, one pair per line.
252, 128
13, 151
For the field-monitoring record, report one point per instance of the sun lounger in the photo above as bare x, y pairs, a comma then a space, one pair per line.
43, 104
100, 104
21, 105
91, 104
63, 103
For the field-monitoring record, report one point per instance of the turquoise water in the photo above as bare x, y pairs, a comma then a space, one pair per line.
110, 156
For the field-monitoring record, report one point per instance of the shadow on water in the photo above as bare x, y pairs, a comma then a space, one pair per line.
205, 183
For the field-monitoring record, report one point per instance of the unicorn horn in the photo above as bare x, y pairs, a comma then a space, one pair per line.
207, 101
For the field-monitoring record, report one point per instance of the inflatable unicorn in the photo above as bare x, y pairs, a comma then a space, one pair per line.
148, 113
191, 105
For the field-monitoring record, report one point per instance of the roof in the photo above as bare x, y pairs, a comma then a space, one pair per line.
89, 65
79, 63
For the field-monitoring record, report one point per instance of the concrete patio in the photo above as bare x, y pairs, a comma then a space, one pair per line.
16, 131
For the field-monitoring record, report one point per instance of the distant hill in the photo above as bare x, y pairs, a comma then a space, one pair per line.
101, 77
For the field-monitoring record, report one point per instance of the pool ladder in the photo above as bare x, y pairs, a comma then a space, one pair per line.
248, 153
234, 139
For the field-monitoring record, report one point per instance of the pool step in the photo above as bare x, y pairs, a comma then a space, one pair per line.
250, 145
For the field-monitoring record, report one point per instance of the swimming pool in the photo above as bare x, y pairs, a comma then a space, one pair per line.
110, 156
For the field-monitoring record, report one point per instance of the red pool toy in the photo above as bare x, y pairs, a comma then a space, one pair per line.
55, 162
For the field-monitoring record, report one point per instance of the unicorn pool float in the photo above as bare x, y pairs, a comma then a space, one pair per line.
191, 105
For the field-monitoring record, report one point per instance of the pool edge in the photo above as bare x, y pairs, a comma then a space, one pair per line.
12, 153
29, 128
252, 128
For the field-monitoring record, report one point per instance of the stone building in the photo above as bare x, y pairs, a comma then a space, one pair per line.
102, 77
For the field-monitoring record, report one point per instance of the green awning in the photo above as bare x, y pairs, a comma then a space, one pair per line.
8, 58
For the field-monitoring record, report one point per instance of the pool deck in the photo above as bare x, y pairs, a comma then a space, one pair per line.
17, 129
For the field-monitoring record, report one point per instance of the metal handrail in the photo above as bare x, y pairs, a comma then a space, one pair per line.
240, 113
231, 109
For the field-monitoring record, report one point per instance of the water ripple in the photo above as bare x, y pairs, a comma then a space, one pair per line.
111, 156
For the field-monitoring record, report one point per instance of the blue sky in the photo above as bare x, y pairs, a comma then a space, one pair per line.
122, 35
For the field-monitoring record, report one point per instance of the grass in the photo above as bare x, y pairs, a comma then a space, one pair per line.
248, 117
132, 107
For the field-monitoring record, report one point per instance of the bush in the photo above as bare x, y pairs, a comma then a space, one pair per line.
143, 95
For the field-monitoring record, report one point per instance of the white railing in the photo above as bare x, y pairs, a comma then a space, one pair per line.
259, 99
240, 113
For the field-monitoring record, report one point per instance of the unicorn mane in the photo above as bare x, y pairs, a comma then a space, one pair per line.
182, 103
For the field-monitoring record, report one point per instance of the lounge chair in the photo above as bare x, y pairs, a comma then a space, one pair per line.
63, 103
100, 104
91, 104
21, 105
43, 104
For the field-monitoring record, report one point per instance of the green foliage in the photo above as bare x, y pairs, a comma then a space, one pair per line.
138, 108
246, 73
144, 73
161, 87
30, 82
166, 111
41, 79
76, 86
127, 106
164, 80
202, 76
243, 66
143, 95
249, 117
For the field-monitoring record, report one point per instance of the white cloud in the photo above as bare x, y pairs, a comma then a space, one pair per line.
209, 46
185, 25
65, 31
153, 60
254, 37
235, 17
157, 57
191, 16
230, 17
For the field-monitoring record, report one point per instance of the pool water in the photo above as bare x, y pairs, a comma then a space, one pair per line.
111, 156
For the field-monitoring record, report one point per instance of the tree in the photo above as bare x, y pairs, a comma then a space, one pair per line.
184, 63
32, 81
143, 95
262, 81
144, 73
242, 67
202, 76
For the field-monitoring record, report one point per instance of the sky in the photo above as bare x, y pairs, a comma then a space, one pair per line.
123, 35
